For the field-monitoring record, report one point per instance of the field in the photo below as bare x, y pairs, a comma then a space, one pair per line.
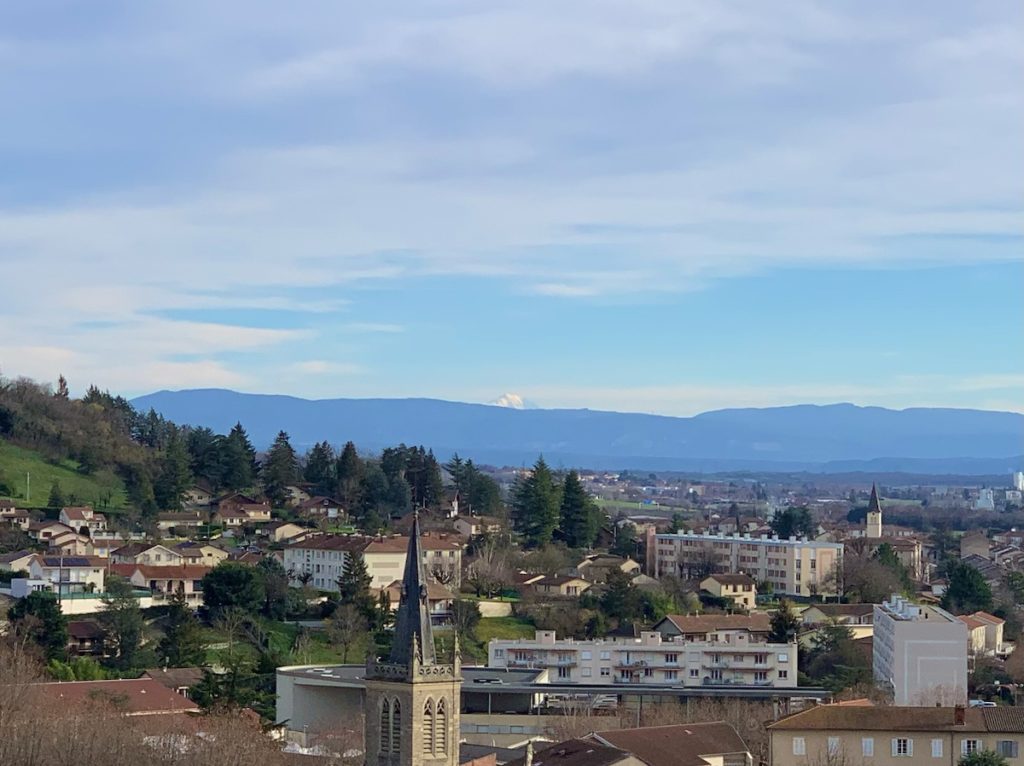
102, 490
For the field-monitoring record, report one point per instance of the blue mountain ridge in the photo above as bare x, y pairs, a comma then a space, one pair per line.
800, 437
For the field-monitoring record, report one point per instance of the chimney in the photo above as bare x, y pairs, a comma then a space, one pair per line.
960, 715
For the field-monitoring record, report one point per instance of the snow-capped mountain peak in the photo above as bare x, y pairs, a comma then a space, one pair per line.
513, 402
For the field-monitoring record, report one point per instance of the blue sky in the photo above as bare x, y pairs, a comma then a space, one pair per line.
653, 206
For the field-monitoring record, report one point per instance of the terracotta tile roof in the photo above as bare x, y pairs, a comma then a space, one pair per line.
708, 623
80, 513
400, 543
989, 618
843, 718
139, 696
1004, 719
575, 752
85, 629
678, 744
187, 572
972, 622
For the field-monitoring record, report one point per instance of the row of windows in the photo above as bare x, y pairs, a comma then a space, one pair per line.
904, 747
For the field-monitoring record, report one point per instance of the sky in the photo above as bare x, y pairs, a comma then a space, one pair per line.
657, 206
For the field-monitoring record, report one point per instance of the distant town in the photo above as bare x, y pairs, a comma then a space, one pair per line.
387, 607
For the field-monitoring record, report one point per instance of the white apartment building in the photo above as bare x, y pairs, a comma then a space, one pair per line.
920, 653
650, 659
1018, 481
797, 566
322, 558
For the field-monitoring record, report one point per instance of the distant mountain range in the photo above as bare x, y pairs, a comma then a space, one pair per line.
829, 438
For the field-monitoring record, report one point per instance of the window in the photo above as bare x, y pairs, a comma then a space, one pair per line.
586, 672
867, 746
760, 675
968, 746
901, 746
670, 675
428, 727
606, 655
936, 748
833, 746
694, 673
605, 672
1007, 748
783, 657
441, 728
585, 655
716, 674
396, 726
385, 727
648, 672
671, 659
783, 674
799, 746
499, 652
564, 673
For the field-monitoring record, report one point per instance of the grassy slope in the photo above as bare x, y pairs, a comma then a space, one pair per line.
15, 462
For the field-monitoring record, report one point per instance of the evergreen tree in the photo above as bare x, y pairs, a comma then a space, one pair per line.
62, 388
579, 516
239, 459
535, 505
399, 497
182, 645
280, 469
372, 496
123, 621
40, 617
206, 453
275, 587
481, 494
232, 585
793, 522
456, 468
620, 599
785, 624
354, 585
967, 590
56, 499
319, 469
433, 484
349, 476
174, 475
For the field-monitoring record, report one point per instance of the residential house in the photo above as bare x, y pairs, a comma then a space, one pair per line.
147, 553
714, 743
846, 614
473, 526
439, 600
86, 638
69, 574
167, 522
230, 518
565, 586
165, 580
321, 507
715, 627
129, 697
200, 554
16, 561
651, 659
42, 531
13, 516
974, 543
919, 653
595, 567
295, 495
984, 633
320, 560
198, 496
286, 531
83, 519
739, 588
178, 680
236, 509
894, 736
70, 544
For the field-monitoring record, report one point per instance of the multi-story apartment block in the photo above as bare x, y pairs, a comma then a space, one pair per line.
650, 659
920, 653
797, 566
321, 559
894, 736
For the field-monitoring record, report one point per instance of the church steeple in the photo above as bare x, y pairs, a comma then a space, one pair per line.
874, 505
873, 522
413, 635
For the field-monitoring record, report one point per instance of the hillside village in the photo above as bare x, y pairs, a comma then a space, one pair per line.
580, 601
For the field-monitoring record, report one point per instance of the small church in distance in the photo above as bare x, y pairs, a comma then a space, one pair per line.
412, 699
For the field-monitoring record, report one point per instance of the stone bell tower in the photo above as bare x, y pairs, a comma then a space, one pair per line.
873, 527
412, 700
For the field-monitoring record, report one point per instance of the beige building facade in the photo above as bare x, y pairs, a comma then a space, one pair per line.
797, 566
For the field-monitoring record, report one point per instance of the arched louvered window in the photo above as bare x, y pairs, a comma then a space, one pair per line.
441, 728
396, 726
385, 726
428, 727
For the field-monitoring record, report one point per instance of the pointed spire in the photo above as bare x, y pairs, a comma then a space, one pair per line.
413, 636
874, 506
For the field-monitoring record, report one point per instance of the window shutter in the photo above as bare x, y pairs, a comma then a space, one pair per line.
910, 747
894, 746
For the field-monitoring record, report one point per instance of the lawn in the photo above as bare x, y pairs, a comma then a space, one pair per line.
102, 490
503, 627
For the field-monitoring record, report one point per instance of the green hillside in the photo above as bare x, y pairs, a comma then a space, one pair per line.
102, 489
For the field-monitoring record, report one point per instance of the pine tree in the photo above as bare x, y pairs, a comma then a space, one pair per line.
456, 468
579, 516
174, 474
354, 585
56, 499
239, 460
182, 645
349, 476
319, 469
433, 484
785, 624
62, 388
123, 621
535, 505
206, 454
40, 617
280, 469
